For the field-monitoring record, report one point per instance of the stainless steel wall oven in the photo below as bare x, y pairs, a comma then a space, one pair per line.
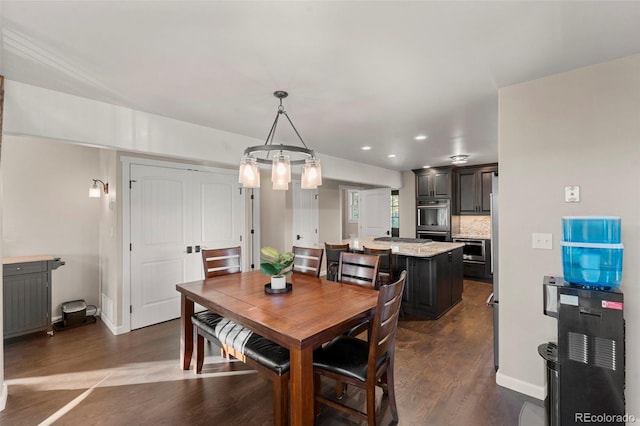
433, 215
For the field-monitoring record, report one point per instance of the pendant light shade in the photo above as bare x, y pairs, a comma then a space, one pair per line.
249, 175
311, 174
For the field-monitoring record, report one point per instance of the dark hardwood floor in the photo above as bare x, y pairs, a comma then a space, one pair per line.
444, 376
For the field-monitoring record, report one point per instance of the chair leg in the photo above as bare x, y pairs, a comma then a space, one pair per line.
391, 391
198, 341
281, 400
317, 385
371, 405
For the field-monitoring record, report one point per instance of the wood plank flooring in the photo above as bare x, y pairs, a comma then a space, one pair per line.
444, 376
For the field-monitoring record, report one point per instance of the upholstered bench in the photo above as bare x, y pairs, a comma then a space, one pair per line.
256, 351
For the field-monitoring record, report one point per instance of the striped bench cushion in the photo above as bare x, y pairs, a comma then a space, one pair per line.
243, 341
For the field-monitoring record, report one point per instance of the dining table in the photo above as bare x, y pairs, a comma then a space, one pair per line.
313, 312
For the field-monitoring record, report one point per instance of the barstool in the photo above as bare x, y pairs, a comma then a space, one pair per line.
333, 258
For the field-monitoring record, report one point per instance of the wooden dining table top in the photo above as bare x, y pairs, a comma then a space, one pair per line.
315, 308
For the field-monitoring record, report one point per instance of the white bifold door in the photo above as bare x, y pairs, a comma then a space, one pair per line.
175, 213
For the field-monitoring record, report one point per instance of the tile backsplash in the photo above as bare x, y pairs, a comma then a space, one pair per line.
472, 226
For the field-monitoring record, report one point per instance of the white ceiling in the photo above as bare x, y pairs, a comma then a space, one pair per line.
357, 72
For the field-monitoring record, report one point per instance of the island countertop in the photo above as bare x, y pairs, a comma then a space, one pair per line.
426, 249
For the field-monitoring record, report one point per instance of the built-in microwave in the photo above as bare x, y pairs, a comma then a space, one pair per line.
433, 215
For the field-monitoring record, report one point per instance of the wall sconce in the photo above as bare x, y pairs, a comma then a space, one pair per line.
94, 190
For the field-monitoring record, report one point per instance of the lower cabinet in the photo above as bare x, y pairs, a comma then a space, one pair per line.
434, 284
27, 296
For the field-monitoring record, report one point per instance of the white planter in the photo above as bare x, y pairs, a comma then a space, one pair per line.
278, 282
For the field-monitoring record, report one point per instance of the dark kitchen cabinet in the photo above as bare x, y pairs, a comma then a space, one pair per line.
434, 183
473, 189
433, 285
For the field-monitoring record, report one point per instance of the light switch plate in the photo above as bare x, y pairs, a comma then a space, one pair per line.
572, 194
542, 241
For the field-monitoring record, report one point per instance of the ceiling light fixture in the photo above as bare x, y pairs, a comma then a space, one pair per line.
391, 156
249, 175
459, 159
421, 137
365, 148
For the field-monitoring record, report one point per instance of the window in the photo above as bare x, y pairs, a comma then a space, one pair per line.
354, 205
395, 210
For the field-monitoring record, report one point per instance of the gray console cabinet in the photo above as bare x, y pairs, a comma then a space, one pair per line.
27, 295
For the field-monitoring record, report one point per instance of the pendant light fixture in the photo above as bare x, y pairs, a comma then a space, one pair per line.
281, 162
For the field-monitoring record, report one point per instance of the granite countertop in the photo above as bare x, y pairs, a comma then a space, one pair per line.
426, 249
22, 259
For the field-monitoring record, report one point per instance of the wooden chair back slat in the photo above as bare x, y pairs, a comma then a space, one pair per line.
221, 261
358, 268
307, 261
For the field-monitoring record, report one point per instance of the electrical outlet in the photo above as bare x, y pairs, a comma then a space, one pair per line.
542, 241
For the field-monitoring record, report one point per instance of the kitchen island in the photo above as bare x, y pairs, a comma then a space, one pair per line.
434, 272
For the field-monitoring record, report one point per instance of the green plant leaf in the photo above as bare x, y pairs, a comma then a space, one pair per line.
268, 269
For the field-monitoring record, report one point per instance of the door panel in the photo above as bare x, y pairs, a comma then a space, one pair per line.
159, 226
305, 216
375, 212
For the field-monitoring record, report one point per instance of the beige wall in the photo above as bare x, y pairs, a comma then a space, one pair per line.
46, 210
577, 128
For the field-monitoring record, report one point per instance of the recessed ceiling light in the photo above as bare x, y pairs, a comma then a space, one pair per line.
459, 159
391, 156
425, 167
421, 137
365, 148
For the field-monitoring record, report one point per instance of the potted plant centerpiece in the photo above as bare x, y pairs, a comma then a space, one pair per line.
275, 264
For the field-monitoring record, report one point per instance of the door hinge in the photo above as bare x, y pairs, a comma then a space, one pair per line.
240, 238
253, 231
316, 196
130, 309
130, 247
253, 266
240, 190
131, 183
252, 197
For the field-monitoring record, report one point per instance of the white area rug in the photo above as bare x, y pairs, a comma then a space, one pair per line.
531, 415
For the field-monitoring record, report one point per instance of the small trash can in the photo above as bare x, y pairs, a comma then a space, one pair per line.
549, 352
74, 312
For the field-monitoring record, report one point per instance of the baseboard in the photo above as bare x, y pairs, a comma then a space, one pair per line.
114, 329
4, 393
537, 392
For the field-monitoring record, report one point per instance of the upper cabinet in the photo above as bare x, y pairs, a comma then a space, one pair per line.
434, 183
473, 189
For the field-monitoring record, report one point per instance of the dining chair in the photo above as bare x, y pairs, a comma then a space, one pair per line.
333, 259
385, 271
218, 262
365, 365
358, 268
307, 261
222, 261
